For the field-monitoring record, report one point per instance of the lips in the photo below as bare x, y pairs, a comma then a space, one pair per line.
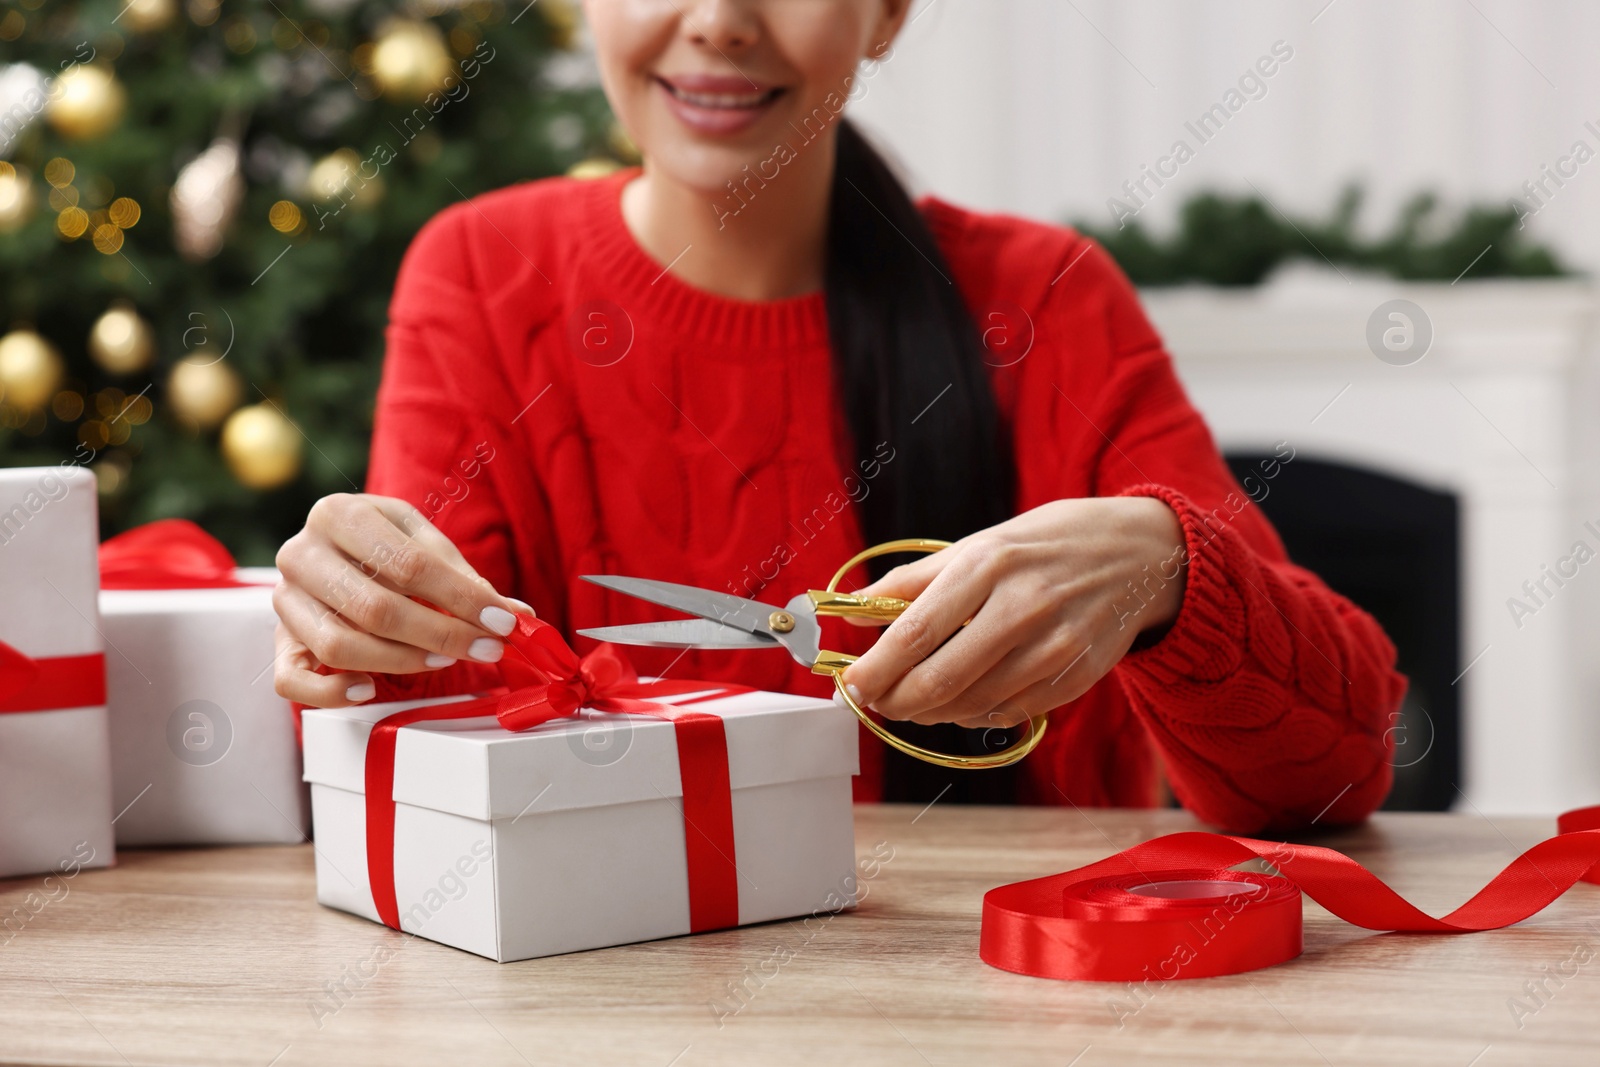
717, 104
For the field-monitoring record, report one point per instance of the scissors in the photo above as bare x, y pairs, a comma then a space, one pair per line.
723, 620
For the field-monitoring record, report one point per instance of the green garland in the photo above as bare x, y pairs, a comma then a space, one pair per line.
1235, 241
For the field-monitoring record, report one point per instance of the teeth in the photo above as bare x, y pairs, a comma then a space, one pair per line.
721, 100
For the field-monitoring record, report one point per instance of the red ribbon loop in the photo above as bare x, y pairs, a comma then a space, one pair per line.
1581, 819
50, 683
1155, 910
166, 554
548, 681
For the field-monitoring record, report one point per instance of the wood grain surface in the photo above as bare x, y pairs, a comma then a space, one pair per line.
222, 956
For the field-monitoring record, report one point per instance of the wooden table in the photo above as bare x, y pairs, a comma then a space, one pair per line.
223, 957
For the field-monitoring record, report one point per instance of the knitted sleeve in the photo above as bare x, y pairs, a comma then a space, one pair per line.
1270, 698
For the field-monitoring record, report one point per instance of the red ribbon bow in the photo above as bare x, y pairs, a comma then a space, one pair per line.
1160, 910
166, 554
50, 683
548, 681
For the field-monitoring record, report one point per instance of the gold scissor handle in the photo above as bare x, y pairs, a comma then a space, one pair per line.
830, 602
849, 606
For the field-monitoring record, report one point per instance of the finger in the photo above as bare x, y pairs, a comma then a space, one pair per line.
908, 580
1056, 680
295, 677
407, 565
339, 645
1040, 698
905, 582
949, 600
368, 606
410, 520
940, 688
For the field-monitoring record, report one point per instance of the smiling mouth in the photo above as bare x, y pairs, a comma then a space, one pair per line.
722, 101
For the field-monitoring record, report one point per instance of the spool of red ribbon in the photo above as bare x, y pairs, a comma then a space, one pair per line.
1173, 907
1581, 819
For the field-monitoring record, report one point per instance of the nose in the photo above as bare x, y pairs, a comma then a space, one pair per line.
721, 25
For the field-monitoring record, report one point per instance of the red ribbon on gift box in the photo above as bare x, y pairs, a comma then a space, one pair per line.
50, 683
1171, 907
166, 554
546, 681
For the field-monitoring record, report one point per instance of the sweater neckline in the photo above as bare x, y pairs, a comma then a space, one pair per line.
655, 292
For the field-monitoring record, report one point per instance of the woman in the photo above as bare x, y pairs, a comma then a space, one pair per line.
740, 364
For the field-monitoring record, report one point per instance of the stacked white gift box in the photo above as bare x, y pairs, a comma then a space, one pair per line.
55, 752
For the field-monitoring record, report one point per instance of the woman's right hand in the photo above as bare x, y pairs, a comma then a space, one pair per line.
344, 602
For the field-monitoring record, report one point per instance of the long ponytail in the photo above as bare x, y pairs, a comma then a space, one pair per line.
909, 365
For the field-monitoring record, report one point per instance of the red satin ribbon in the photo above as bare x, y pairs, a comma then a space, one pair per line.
166, 554
1104, 923
1581, 819
548, 681
50, 683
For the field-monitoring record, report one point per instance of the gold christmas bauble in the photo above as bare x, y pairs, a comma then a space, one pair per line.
598, 167
562, 18
339, 177
202, 389
261, 446
410, 59
86, 101
16, 198
142, 16
120, 341
30, 369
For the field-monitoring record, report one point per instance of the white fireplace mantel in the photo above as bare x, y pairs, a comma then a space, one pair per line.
1504, 411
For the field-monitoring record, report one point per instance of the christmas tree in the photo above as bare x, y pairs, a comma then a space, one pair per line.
203, 204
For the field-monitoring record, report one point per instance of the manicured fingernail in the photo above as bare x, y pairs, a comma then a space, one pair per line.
361, 691
438, 659
855, 694
838, 699
487, 650
496, 620
527, 609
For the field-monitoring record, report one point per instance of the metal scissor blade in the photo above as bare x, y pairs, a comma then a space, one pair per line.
746, 615
680, 633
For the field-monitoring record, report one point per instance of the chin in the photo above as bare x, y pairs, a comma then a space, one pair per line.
706, 169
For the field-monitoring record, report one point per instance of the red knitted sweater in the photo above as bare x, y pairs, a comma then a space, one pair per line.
560, 404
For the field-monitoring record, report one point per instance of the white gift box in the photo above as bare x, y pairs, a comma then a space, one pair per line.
55, 763
203, 749
570, 835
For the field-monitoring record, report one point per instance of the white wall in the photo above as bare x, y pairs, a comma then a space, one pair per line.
1045, 107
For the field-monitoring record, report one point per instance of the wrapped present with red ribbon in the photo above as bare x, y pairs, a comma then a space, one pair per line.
580, 806
203, 749
55, 759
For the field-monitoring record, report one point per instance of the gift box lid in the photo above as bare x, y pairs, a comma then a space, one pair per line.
251, 597
475, 768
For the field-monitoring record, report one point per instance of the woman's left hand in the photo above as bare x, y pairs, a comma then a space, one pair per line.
1056, 596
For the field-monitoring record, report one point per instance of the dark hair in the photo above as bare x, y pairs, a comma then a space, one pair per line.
909, 365
909, 362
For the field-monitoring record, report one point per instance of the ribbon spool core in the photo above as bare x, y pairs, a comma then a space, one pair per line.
1036, 725
1197, 890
